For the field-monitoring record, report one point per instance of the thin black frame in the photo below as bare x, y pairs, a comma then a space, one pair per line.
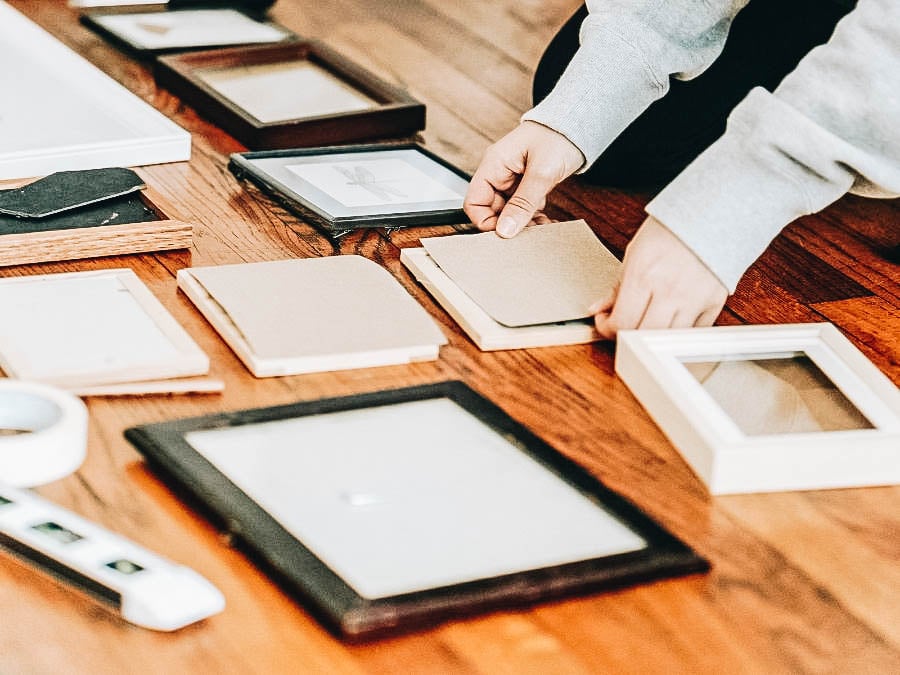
333, 601
89, 19
242, 167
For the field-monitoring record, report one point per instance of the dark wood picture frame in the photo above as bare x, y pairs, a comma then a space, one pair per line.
90, 19
76, 243
397, 114
355, 618
242, 166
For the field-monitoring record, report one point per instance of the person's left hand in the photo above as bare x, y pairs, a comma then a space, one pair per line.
663, 284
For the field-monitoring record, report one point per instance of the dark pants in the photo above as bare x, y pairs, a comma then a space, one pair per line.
766, 42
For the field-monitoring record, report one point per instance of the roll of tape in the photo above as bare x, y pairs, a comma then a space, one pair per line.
44, 433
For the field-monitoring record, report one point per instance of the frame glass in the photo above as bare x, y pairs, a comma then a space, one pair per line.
395, 510
349, 187
766, 408
298, 94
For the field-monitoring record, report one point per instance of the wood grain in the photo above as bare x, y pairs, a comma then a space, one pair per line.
801, 582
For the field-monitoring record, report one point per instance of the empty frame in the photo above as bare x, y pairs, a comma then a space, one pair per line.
394, 510
298, 94
158, 32
348, 187
61, 113
84, 330
765, 408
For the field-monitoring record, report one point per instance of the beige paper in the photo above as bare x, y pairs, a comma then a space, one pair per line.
318, 307
545, 274
778, 396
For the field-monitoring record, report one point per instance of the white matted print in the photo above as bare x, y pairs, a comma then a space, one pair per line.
188, 28
357, 181
278, 92
764, 408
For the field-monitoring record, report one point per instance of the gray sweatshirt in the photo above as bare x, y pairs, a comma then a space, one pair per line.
832, 126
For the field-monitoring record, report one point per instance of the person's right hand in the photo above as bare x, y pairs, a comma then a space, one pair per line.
516, 174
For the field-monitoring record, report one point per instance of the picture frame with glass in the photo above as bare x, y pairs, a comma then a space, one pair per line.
767, 408
395, 510
344, 188
299, 94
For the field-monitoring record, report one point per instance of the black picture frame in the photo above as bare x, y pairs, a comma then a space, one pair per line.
310, 204
94, 21
395, 115
354, 618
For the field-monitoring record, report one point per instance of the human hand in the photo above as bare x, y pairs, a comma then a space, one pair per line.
663, 284
516, 174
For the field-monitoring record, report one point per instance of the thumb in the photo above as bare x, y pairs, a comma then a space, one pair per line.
529, 197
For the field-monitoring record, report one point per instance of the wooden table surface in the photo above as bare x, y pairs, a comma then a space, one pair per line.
801, 582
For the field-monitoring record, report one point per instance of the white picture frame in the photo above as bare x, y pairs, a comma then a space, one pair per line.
67, 114
652, 363
129, 340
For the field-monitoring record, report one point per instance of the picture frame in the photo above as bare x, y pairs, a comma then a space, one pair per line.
162, 233
131, 339
66, 114
309, 331
796, 407
155, 31
487, 333
331, 99
313, 193
333, 556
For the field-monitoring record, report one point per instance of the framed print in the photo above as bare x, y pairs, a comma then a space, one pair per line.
146, 34
299, 94
61, 113
395, 510
349, 187
766, 408
85, 214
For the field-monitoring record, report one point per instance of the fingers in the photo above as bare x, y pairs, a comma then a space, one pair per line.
529, 197
516, 174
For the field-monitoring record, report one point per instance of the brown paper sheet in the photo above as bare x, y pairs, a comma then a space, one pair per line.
546, 274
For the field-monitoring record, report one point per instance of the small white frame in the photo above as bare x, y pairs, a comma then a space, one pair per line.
95, 370
485, 332
35, 60
651, 363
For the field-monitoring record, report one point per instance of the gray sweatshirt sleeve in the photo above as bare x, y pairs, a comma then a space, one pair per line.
831, 126
629, 50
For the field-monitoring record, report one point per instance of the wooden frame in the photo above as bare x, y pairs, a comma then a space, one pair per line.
728, 458
81, 117
161, 234
393, 112
103, 22
345, 610
485, 332
49, 339
271, 172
